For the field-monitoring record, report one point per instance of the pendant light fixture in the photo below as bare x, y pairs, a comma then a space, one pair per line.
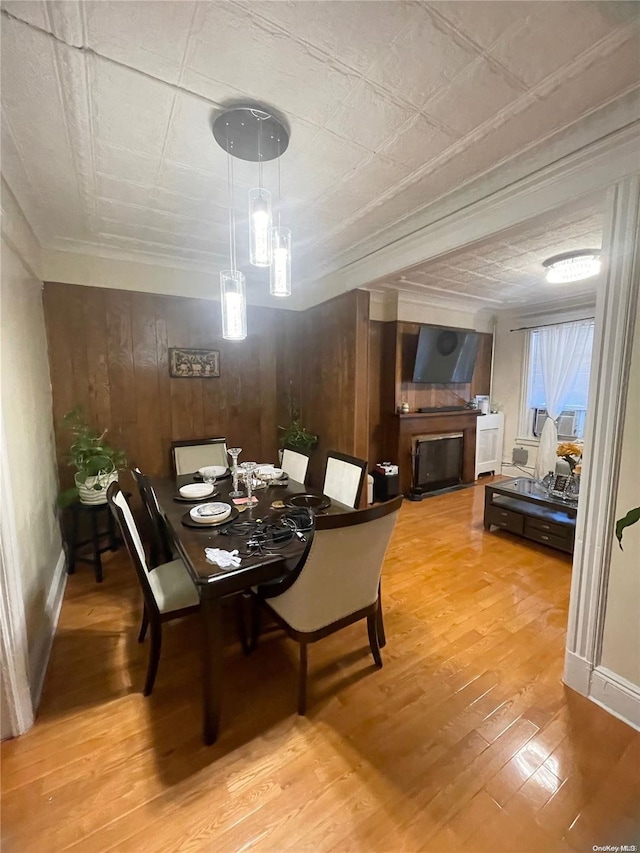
249, 132
280, 272
572, 266
260, 222
260, 227
233, 298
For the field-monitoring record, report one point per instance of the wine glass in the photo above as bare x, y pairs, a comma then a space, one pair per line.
248, 469
234, 452
210, 479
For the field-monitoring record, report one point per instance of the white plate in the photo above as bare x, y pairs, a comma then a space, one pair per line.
213, 471
209, 513
276, 473
196, 490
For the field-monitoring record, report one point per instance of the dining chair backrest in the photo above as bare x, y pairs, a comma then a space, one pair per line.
131, 536
161, 551
341, 573
294, 464
343, 478
189, 456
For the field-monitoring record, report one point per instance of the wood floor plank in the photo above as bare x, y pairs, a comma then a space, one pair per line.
466, 741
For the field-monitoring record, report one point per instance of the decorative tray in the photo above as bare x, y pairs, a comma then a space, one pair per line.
317, 502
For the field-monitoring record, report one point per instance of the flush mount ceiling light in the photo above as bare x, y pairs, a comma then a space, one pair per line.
572, 266
250, 132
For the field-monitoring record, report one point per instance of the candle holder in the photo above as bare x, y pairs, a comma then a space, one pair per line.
234, 452
248, 469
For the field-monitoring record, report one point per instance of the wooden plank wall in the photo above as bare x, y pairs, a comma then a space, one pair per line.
108, 351
324, 353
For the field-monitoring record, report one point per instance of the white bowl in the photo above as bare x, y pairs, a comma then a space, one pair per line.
213, 471
196, 490
211, 513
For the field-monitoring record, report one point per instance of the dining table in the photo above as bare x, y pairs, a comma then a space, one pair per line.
271, 560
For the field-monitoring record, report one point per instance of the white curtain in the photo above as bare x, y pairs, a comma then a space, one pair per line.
561, 351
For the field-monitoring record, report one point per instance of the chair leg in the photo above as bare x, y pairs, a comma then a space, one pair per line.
382, 637
372, 628
144, 625
71, 566
302, 684
241, 624
154, 656
96, 536
255, 624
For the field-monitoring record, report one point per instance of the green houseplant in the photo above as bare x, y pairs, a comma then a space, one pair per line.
96, 462
632, 517
295, 435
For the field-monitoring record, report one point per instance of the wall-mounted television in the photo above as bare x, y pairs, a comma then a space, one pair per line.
445, 356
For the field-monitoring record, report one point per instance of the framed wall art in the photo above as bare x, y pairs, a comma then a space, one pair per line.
194, 363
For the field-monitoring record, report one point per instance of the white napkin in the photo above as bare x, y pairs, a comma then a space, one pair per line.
225, 559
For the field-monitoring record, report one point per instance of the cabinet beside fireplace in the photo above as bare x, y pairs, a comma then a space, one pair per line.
404, 428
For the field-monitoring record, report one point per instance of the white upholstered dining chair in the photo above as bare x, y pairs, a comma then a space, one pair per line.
189, 456
337, 585
343, 478
168, 590
294, 464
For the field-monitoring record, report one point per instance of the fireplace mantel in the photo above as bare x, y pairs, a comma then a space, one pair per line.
404, 426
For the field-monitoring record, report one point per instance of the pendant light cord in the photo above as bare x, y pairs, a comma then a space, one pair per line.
260, 154
232, 213
279, 186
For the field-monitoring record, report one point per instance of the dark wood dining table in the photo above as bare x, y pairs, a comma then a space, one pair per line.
216, 584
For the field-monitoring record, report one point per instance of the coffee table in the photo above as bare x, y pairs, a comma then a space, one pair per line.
523, 507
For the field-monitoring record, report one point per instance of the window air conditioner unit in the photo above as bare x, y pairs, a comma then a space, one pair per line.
567, 426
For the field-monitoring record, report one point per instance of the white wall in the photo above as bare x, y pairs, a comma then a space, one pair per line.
621, 641
398, 306
508, 370
25, 396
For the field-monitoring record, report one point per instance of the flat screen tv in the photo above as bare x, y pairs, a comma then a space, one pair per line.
445, 356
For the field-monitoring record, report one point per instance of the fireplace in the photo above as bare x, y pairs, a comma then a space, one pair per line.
437, 461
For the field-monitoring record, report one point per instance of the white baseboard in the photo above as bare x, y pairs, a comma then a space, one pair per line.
607, 689
577, 672
41, 650
616, 695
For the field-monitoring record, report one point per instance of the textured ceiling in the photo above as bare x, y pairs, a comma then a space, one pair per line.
506, 271
107, 145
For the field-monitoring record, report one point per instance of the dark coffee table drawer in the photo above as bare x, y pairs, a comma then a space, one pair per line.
548, 527
563, 539
504, 518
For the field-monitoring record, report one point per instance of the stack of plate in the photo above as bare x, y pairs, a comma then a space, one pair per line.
196, 491
212, 513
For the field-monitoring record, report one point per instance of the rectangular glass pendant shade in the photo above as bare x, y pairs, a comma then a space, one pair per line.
234, 305
280, 272
260, 227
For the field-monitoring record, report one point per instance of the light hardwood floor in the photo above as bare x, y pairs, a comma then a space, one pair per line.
466, 740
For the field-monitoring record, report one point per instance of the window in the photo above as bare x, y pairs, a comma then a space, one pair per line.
572, 420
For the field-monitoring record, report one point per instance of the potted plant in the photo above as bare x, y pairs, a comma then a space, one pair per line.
296, 435
96, 462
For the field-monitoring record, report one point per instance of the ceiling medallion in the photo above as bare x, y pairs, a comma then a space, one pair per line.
252, 133
572, 266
